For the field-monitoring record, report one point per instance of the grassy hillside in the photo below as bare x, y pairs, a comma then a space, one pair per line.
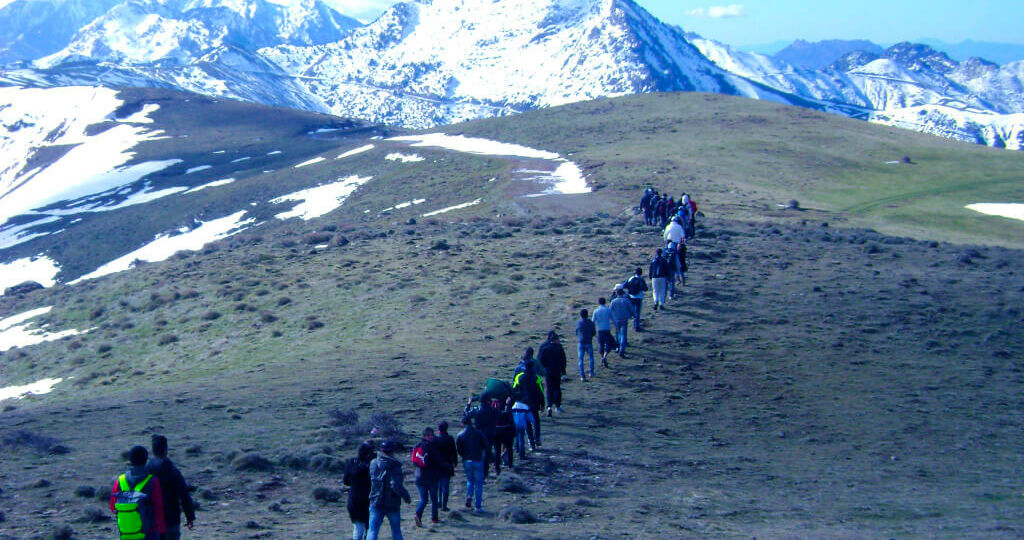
814, 381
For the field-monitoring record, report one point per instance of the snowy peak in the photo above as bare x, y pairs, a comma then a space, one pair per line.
919, 57
463, 59
37, 28
179, 31
818, 55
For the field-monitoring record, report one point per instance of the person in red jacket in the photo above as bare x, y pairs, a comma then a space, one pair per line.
138, 475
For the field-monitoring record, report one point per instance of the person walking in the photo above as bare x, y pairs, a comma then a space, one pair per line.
504, 437
137, 499
530, 391
636, 286
551, 355
585, 332
645, 204
622, 311
674, 232
660, 274
603, 324
174, 490
445, 445
484, 418
473, 448
357, 478
387, 491
429, 468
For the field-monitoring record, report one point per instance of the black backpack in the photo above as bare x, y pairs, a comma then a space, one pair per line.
635, 285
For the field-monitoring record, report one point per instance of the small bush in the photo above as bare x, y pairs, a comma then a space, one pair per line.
317, 238
87, 492
95, 515
21, 438
284, 301
167, 339
211, 315
326, 494
251, 462
63, 532
104, 348
313, 324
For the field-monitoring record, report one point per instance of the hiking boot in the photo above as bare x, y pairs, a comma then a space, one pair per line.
418, 520
549, 412
592, 373
559, 409
469, 502
435, 521
583, 379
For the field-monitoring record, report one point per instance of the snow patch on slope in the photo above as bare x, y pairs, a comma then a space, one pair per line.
43, 270
163, 246
317, 201
17, 331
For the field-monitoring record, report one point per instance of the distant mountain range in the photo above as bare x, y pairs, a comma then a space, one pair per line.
431, 62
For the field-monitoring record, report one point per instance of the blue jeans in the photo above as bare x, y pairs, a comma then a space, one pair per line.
444, 488
377, 518
523, 421
583, 349
474, 481
428, 491
358, 530
622, 328
637, 304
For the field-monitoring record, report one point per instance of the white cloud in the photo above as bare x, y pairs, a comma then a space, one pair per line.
719, 12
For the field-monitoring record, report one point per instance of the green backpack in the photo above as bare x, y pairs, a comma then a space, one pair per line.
134, 509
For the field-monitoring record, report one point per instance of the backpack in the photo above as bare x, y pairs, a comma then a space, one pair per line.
419, 456
635, 285
134, 509
389, 498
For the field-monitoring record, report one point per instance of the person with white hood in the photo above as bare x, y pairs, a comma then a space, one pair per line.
674, 232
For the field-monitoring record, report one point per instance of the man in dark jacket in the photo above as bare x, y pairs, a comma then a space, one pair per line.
585, 332
357, 477
527, 389
661, 273
175, 491
552, 356
138, 479
387, 491
445, 445
635, 287
474, 448
428, 476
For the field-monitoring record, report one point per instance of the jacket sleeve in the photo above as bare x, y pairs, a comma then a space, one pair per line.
187, 505
398, 484
113, 496
562, 361
160, 524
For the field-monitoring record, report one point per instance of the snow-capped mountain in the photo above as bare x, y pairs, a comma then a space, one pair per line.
818, 55
908, 85
431, 62
37, 28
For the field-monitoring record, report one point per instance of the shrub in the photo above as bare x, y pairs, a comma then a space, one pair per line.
251, 462
317, 238
284, 301
326, 494
21, 438
167, 339
211, 315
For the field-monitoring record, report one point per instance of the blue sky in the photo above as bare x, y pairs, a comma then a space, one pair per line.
746, 22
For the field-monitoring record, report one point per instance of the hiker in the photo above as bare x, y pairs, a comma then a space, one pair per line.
357, 478
473, 448
670, 210
387, 491
622, 311
484, 417
522, 418
174, 490
585, 331
636, 287
605, 339
691, 210
445, 445
429, 469
551, 355
529, 390
659, 211
137, 500
645, 204
504, 437
660, 274
675, 268
674, 232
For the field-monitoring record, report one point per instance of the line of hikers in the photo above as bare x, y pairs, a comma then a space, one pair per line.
150, 497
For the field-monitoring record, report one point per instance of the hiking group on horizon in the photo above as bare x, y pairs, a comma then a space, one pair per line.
150, 497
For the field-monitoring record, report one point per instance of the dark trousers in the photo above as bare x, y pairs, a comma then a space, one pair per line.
504, 440
637, 304
444, 488
554, 388
536, 426
428, 491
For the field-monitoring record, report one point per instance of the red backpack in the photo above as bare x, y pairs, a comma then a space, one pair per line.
419, 456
